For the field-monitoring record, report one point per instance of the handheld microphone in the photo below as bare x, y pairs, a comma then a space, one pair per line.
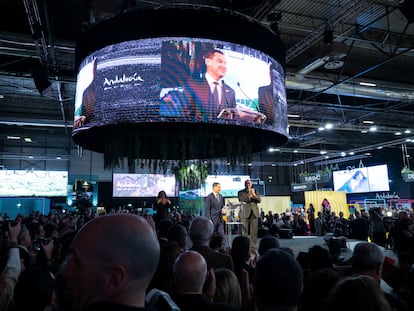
258, 108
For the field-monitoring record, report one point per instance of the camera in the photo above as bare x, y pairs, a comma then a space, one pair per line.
37, 244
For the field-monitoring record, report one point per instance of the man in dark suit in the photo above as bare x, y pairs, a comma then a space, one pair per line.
250, 214
214, 208
207, 97
200, 233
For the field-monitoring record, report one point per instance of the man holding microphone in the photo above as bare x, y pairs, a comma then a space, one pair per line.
250, 198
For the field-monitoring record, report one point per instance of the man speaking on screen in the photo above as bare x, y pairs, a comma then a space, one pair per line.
210, 95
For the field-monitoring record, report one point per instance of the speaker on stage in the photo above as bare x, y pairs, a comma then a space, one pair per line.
407, 9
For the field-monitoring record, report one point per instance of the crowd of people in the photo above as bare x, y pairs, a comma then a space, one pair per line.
127, 261
394, 232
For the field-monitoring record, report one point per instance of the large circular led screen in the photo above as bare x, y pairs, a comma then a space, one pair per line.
169, 88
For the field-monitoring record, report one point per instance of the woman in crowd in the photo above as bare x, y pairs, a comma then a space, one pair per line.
227, 287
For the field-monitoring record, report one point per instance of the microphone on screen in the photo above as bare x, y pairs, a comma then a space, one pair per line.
258, 108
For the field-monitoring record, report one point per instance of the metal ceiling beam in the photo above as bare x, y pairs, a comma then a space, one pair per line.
346, 126
350, 12
37, 30
340, 154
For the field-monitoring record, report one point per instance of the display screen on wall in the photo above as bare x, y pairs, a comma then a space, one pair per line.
230, 185
33, 183
142, 185
164, 80
364, 179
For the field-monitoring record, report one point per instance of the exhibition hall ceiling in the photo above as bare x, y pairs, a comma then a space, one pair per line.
349, 72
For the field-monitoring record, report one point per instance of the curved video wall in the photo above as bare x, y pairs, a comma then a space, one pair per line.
193, 89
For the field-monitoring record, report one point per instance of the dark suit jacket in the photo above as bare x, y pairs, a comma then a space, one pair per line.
251, 204
198, 99
213, 207
214, 259
267, 103
191, 302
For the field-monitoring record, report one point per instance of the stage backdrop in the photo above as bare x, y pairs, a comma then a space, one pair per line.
337, 201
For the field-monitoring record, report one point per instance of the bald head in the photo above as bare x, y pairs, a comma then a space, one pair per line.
112, 257
201, 230
190, 271
128, 236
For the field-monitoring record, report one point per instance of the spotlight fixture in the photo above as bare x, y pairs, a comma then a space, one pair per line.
328, 36
274, 16
41, 80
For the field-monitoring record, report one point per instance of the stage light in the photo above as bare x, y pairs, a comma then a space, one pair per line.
41, 80
328, 36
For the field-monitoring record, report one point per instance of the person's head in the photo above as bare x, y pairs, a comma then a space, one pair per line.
36, 230
227, 287
216, 187
268, 242
190, 272
278, 281
248, 184
113, 258
178, 233
216, 241
162, 194
201, 230
367, 259
317, 286
216, 65
240, 248
35, 290
319, 258
360, 293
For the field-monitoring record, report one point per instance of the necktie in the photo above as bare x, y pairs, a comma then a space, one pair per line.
215, 98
